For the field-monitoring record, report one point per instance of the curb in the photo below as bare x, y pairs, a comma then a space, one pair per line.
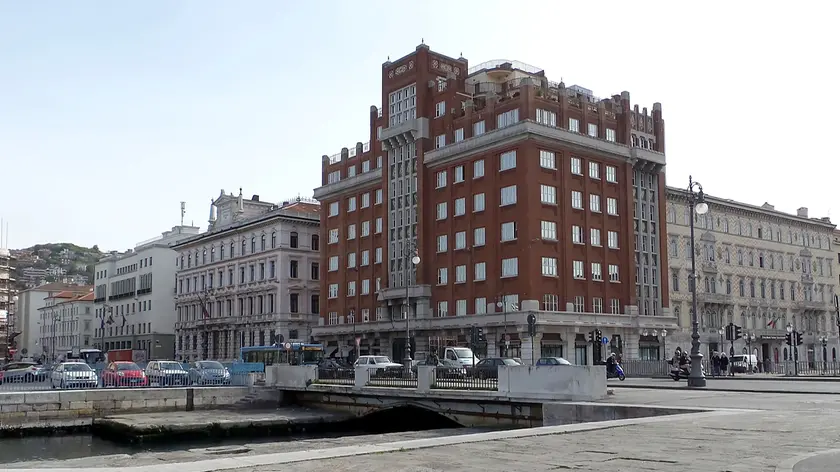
788, 465
713, 389
780, 378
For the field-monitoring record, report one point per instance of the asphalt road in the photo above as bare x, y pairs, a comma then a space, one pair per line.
735, 385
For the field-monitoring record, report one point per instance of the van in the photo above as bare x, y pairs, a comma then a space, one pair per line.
743, 362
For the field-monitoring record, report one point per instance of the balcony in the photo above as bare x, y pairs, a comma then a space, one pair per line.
811, 305
709, 266
807, 278
404, 133
717, 298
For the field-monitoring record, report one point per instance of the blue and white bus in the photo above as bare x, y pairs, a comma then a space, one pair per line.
286, 353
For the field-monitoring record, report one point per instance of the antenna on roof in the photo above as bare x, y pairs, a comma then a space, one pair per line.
183, 212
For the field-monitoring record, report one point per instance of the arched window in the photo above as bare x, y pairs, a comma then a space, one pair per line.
273, 239
262, 243
253, 244
244, 247
293, 239
316, 242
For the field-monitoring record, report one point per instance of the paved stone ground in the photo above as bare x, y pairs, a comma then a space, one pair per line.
764, 385
788, 425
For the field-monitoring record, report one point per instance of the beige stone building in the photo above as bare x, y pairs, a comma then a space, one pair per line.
758, 268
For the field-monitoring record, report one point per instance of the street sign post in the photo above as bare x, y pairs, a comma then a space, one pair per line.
605, 340
532, 331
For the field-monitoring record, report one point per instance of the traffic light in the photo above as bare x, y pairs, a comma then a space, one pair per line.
788, 340
798, 338
598, 336
473, 335
592, 336
479, 334
737, 332
532, 325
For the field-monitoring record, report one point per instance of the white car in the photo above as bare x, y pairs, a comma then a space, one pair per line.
378, 365
73, 375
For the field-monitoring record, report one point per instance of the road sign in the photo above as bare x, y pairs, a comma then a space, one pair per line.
507, 338
288, 345
605, 340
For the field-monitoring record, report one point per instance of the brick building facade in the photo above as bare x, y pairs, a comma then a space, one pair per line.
518, 195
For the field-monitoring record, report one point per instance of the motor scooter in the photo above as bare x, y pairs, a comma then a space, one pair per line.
617, 372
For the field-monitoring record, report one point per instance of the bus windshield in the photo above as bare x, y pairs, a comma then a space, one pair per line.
269, 355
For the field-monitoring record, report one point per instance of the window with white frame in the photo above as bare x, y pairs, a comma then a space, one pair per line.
478, 202
351, 204
365, 286
510, 267
443, 308
577, 200
576, 166
351, 289
351, 260
595, 202
378, 226
333, 236
613, 270
480, 306
545, 117
508, 196
548, 230
612, 174
333, 177
597, 305
333, 263
443, 276
548, 159
441, 211
612, 239
615, 307
612, 206
548, 194
595, 236
459, 174
478, 168
508, 118
365, 257
549, 266
442, 243
478, 128
574, 125
594, 170
333, 317
507, 161
479, 236
365, 166
460, 206
459, 135
509, 232
610, 135
480, 271
592, 130
365, 200
379, 161
440, 141
333, 291
460, 240
460, 307
378, 199
351, 231
460, 274
551, 302
333, 209
596, 271
578, 270
440, 109
402, 105
365, 228
580, 304
577, 234
377, 256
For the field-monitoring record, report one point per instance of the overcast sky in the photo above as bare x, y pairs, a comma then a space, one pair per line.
111, 113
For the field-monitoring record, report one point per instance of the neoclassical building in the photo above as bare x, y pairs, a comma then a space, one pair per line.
758, 268
255, 271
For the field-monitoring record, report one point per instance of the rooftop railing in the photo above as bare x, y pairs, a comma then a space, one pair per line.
498, 62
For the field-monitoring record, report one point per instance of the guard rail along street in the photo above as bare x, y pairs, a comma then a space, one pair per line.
575, 383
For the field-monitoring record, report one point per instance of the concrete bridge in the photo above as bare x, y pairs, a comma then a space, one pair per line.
524, 396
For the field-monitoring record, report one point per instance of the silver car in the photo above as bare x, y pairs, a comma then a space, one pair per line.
73, 375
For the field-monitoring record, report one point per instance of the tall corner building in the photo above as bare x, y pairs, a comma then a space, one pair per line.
519, 196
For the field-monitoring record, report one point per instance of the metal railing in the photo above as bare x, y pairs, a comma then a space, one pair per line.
340, 376
467, 378
396, 377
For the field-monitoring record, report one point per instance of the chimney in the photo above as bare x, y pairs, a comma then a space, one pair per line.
255, 198
802, 212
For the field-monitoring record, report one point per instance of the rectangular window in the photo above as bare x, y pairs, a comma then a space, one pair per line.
351, 289
460, 307
548, 194
577, 270
478, 168
576, 166
441, 179
443, 276
333, 291
365, 257
378, 199
549, 266
351, 231
460, 206
460, 240
459, 135
595, 203
613, 270
365, 200
333, 209
441, 211
612, 174
440, 109
460, 274
480, 306
365, 166
577, 234
596, 271
574, 125
365, 286
334, 177
595, 236
594, 170
478, 202
507, 161
351, 260
351, 204
479, 236
548, 160
615, 308
333, 236
480, 271
612, 206
610, 134
597, 305
365, 228
612, 239
508, 196
577, 200
478, 128
443, 308
509, 232
548, 230
378, 226
440, 141
545, 117
510, 267
507, 118
592, 130
442, 243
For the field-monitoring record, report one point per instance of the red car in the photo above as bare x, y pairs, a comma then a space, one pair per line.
124, 374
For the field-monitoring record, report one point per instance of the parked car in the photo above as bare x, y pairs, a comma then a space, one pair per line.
19, 372
124, 374
73, 375
380, 366
553, 361
167, 373
334, 368
489, 368
446, 369
209, 373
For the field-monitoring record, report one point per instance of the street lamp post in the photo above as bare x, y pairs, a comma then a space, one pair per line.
721, 332
696, 378
824, 343
749, 338
208, 297
794, 356
409, 249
